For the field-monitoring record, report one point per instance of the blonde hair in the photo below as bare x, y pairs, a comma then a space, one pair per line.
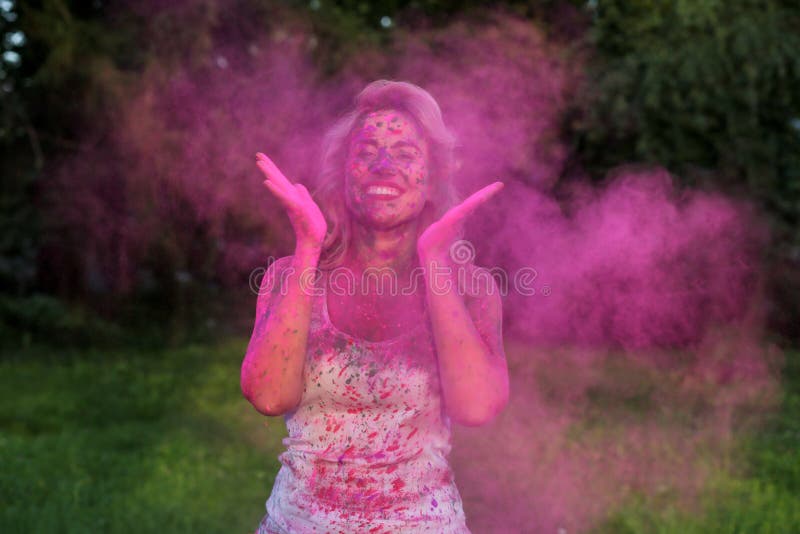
380, 95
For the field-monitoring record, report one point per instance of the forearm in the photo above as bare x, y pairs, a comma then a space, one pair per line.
473, 376
272, 370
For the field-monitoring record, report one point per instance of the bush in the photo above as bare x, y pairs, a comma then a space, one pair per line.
40, 318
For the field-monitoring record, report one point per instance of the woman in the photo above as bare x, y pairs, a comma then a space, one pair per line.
369, 380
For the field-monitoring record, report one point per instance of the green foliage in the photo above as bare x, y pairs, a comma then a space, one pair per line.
41, 318
711, 90
19, 235
707, 85
20, 162
71, 70
77, 73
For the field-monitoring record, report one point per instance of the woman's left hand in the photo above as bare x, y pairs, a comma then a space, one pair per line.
435, 241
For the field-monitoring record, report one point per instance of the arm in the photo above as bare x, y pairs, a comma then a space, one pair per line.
469, 345
472, 366
272, 371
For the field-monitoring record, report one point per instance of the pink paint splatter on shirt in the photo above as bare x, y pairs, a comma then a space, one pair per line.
367, 449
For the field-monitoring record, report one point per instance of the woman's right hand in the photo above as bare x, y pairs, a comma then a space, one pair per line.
306, 217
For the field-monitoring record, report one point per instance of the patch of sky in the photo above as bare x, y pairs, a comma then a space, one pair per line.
11, 57
16, 38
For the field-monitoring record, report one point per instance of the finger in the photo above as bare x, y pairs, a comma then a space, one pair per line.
282, 185
472, 202
482, 195
272, 170
287, 200
304, 190
267, 165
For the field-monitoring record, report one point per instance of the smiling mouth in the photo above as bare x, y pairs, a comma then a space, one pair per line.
383, 191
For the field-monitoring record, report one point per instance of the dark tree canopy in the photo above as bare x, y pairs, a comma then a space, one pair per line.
709, 89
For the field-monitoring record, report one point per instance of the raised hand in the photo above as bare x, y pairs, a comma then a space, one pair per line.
306, 217
435, 241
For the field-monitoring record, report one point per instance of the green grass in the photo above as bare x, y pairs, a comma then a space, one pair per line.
162, 441
730, 506
127, 442
759, 494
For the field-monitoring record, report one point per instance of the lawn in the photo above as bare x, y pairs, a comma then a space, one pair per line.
132, 442
756, 491
162, 441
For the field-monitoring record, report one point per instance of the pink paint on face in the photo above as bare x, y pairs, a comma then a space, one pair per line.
386, 175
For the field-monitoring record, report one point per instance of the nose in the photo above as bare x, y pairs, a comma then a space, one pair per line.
383, 163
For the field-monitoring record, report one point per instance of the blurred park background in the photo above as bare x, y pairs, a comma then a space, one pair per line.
133, 216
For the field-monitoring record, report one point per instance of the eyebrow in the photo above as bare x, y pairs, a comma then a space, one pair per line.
399, 144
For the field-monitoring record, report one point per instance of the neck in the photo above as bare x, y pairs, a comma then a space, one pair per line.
395, 248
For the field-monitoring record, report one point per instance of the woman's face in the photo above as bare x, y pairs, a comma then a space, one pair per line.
386, 171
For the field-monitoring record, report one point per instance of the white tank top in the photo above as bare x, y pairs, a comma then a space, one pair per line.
368, 443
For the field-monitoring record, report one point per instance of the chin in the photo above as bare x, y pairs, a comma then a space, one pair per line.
387, 222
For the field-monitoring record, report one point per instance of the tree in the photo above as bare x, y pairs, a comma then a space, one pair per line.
710, 89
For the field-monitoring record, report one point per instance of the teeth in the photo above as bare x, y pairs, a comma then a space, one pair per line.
382, 190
